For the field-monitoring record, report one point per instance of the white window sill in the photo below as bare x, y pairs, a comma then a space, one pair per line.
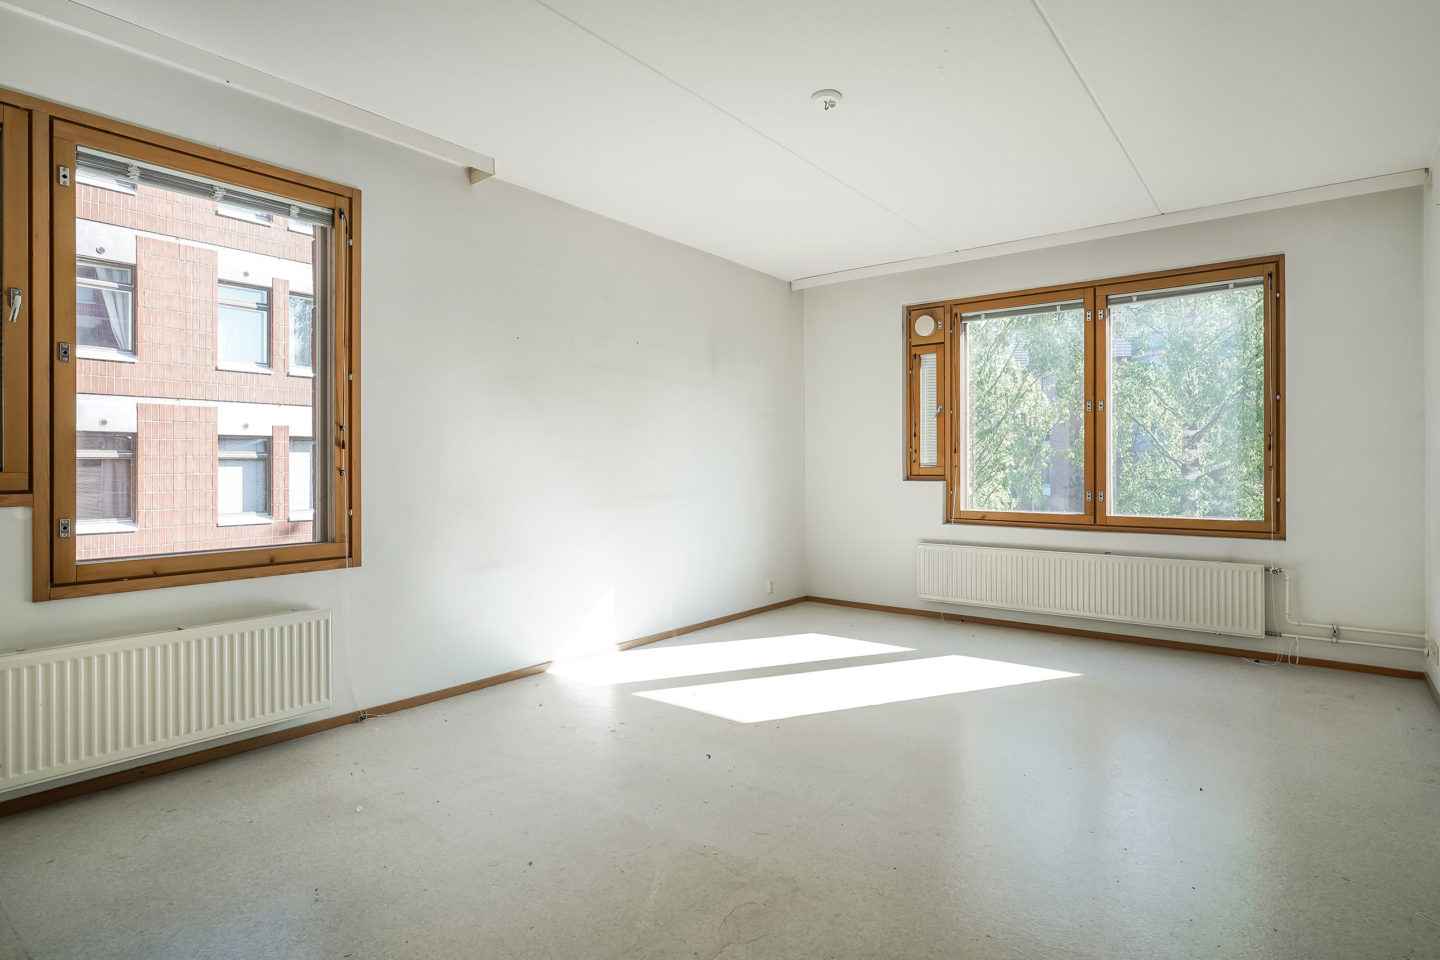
302, 515
244, 519
238, 366
83, 527
105, 353
302, 372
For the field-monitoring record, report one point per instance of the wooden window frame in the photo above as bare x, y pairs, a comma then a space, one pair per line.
1097, 480
917, 345
16, 271
54, 133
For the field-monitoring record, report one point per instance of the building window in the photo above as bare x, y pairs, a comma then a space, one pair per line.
302, 332
104, 481
244, 325
104, 309
1148, 403
236, 212
302, 479
244, 488
300, 226
209, 477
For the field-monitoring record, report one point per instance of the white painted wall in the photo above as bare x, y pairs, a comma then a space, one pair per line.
1431, 269
1353, 329
573, 430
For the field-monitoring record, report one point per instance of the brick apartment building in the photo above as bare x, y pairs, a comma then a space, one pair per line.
194, 353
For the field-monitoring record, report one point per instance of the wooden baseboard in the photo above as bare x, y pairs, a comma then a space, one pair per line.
161, 767
1122, 637
705, 624
172, 764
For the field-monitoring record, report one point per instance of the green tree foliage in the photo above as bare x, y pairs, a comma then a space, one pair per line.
302, 333
1186, 410
1187, 416
1026, 398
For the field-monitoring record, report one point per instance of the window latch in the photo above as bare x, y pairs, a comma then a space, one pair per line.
64, 528
16, 298
64, 176
62, 351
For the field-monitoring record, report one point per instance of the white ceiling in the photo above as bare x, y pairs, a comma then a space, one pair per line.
964, 122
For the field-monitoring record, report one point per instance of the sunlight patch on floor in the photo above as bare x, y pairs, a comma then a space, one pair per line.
697, 659
844, 688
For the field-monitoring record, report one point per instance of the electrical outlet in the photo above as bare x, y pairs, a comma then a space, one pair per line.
1432, 651
770, 586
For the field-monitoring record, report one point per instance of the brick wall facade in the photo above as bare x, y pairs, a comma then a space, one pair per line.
183, 401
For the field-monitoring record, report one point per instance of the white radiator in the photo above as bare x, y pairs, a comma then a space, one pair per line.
1200, 595
72, 708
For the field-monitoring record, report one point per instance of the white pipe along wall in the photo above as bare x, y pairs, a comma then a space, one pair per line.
521, 357
1353, 413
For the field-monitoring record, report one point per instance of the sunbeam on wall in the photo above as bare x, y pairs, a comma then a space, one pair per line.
825, 691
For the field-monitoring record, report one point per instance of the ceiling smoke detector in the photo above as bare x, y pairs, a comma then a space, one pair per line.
826, 99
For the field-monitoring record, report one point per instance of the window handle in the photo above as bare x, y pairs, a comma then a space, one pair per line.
16, 298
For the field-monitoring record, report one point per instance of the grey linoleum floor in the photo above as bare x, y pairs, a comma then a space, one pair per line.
1155, 804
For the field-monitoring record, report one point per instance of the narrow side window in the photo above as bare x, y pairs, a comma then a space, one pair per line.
927, 399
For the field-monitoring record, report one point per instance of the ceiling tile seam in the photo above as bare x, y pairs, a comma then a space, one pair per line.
759, 133
1096, 101
1398, 180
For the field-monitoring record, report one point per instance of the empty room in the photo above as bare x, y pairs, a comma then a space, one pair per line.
577, 479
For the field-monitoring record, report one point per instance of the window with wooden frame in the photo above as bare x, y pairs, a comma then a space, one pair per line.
1150, 403
926, 449
164, 469
16, 305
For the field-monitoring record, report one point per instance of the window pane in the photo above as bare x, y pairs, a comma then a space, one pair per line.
302, 475
244, 447
928, 422
104, 476
95, 441
244, 335
104, 272
244, 476
253, 296
199, 445
1025, 374
105, 306
302, 310
1187, 417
